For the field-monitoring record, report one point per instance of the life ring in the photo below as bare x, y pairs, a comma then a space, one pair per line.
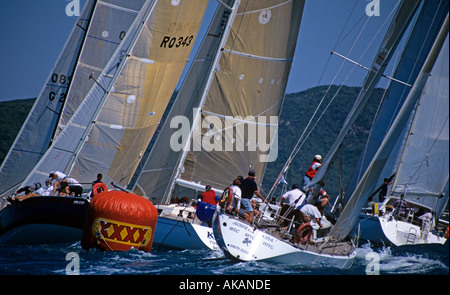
99, 188
446, 233
304, 233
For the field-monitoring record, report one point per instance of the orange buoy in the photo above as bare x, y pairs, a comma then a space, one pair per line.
119, 221
446, 233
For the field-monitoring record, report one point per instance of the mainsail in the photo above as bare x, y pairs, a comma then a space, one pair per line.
113, 124
243, 91
37, 132
161, 162
431, 82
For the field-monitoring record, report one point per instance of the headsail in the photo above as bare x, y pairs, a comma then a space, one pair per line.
422, 86
115, 121
37, 131
424, 167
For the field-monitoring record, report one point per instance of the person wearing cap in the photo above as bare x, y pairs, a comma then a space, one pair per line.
249, 188
312, 170
209, 196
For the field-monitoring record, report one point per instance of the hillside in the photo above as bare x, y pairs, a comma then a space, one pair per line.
12, 115
296, 112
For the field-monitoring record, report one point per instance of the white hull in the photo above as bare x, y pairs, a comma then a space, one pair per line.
242, 242
181, 232
394, 232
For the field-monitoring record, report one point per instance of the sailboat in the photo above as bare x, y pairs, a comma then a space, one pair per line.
245, 60
116, 119
266, 240
92, 42
418, 161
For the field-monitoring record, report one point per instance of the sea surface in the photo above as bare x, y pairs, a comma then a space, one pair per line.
70, 258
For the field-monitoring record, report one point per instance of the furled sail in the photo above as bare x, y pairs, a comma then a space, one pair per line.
112, 126
109, 24
429, 21
393, 36
235, 126
432, 76
36, 133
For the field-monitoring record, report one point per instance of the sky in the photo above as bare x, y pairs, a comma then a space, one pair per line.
32, 34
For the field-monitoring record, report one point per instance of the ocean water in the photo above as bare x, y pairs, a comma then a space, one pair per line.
56, 260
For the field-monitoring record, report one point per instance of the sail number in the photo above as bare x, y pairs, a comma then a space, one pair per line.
58, 79
170, 42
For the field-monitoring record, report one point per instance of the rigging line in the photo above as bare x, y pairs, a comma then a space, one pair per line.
364, 52
266, 8
343, 28
302, 140
428, 152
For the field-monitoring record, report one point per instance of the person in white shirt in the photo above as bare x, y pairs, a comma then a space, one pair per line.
295, 197
235, 202
74, 185
46, 190
310, 214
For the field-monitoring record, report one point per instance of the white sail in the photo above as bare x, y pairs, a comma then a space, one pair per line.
37, 131
139, 96
424, 167
349, 215
108, 26
115, 121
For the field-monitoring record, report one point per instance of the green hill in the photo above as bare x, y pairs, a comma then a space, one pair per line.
295, 115
12, 115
